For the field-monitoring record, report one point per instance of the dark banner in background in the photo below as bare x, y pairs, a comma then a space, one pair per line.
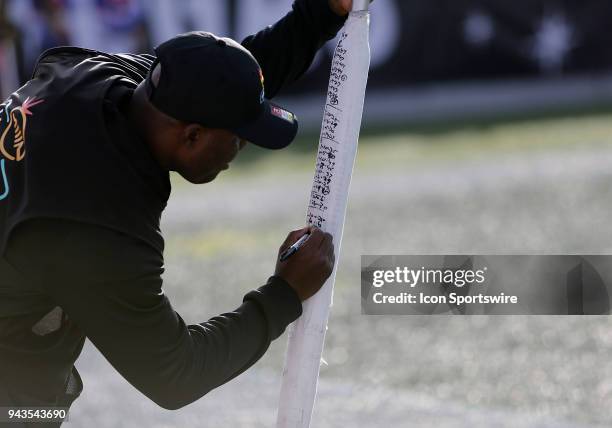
450, 40
413, 41
414, 44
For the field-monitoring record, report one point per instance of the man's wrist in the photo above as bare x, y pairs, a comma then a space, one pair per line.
279, 303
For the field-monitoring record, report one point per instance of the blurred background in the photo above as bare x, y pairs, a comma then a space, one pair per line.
487, 129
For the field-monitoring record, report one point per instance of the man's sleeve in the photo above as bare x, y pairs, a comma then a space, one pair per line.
110, 285
286, 49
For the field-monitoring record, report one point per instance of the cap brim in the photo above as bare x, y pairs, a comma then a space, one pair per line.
275, 128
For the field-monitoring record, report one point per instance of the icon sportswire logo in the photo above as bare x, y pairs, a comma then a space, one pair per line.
13, 126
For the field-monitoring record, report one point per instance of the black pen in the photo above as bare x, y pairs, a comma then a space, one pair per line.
293, 249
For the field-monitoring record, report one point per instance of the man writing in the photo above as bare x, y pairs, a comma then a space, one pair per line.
86, 146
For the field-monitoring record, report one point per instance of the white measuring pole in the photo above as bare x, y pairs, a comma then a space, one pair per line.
327, 209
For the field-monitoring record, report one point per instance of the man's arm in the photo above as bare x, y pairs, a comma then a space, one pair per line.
286, 49
110, 285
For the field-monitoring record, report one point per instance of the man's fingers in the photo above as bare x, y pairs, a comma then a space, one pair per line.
327, 240
318, 240
293, 236
327, 246
316, 236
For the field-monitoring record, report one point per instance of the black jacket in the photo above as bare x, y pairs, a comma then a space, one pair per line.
82, 255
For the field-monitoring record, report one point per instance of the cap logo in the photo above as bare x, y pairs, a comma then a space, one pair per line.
283, 114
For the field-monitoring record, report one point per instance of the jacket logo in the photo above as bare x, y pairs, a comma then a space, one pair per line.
263, 89
13, 125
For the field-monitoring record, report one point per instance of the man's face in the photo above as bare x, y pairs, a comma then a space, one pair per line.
206, 152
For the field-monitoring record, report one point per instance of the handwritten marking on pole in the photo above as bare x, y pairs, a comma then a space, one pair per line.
327, 209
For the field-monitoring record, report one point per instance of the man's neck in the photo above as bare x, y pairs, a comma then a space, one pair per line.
141, 116
137, 114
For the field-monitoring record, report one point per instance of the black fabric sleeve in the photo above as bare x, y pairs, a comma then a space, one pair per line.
110, 285
286, 49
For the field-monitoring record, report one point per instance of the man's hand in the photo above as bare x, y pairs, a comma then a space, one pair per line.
341, 7
307, 269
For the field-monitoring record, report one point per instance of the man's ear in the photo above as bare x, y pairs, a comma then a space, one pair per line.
192, 134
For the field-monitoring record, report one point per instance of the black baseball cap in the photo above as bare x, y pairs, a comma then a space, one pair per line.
217, 83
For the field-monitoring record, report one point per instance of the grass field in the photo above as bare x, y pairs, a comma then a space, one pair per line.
541, 186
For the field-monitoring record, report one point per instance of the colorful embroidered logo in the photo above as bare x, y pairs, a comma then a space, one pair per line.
283, 114
263, 89
13, 125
